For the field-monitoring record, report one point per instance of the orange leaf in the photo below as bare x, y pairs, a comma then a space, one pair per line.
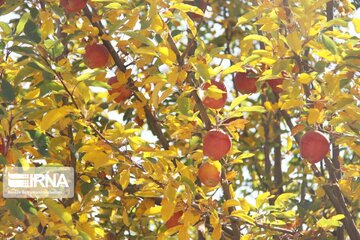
295, 130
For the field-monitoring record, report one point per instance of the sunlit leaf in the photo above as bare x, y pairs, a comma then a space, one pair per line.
294, 41
329, 44
59, 211
313, 116
255, 37
261, 199
54, 116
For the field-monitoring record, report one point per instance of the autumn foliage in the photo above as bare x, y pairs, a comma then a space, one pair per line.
183, 119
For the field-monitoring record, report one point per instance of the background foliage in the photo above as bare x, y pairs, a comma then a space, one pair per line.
56, 111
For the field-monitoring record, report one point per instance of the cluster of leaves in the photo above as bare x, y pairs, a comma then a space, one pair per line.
55, 110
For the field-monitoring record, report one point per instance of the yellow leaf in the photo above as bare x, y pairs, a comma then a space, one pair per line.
157, 24
305, 78
183, 232
230, 203
85, 178
59, 210
106, 37
243, 216
351, 170
191, 217
261, 199
190, 23
283, 199
100, 159
246, 17
155, 93
130, 24
47, 26
255, 37
215, 223
289, 143
54, 116
239, 123
187, 8
234, 68
292, 103
168, 208
167, 56
247, 237
170, 192
245, 206
32, 94
83, 218
216, 234
125, 217
164, 95
145, 50
214, 92
356, 22
182, 76
294, 41
124, 178
153, 211
313, 116
268, 106
82, 91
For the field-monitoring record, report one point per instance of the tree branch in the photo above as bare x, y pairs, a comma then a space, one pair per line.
227, 195
332, 191
156, 129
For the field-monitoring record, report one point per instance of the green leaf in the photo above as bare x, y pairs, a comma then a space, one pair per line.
84, 235
337, 21
15, 210
5, 27
2, 160
328, 224
283, 199
286, 214
41, 141
55, 48
27, 206
184, 105
37, 65
47, 87
189, 183
329, 44
281, 65
59, 211
22, 50
7, 91
95, 83
32, 31
320, 66
139, 37
22, 22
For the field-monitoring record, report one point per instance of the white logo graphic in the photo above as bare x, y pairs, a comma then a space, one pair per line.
54, 182
36, 180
